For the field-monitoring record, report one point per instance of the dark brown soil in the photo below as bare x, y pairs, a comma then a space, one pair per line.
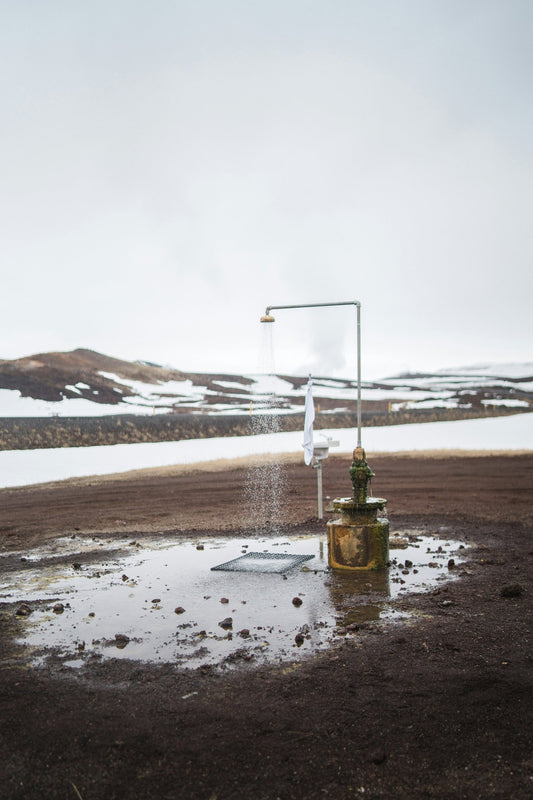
437, 708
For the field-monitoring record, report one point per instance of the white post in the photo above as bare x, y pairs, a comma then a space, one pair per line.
319, 490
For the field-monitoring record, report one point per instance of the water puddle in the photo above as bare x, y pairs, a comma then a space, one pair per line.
161, 602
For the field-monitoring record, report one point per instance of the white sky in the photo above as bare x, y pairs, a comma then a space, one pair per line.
169, 168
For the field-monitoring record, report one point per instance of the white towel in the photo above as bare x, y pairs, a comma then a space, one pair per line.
308, 423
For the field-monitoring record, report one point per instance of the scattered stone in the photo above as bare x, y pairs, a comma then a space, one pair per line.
121, 640
397, 543
299, 639
226, 624
297, 601
199, 547
179, 610
76, 565
156, 600
245, 633
224, 600
125, 577
433, 565
377, 756
512, 590
451, 563
91, 613
81, 646
23, 610
408, 563
58, 608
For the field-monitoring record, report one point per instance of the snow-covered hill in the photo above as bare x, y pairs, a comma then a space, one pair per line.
84, 383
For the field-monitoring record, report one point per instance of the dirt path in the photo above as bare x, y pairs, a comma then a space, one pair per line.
440, 708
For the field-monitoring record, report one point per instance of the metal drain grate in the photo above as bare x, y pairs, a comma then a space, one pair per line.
263, 562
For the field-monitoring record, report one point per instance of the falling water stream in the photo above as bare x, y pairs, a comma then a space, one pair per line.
264, 490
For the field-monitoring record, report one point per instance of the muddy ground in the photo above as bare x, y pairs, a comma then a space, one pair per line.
437, 708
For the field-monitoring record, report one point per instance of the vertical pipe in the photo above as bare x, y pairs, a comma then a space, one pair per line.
358, 306
319, 483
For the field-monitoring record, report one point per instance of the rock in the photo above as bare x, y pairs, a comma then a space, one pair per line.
397, 543
512, 590
299, 639
408, 563
297, 601
226, 624
245, 633
179, 610
58, 608
76, 565
451, 563
125, 577
156, 600
377, 756
23, 610
199, 547
121, 640
224, 600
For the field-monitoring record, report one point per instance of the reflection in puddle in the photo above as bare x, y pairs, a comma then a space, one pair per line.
163, 603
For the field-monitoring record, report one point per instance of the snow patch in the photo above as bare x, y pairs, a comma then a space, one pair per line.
26, 467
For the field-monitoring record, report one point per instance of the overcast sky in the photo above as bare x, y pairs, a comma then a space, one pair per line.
169, 168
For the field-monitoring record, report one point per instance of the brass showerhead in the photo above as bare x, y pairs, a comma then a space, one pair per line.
267, 318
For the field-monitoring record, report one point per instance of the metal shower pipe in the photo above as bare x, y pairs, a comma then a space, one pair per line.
269, 318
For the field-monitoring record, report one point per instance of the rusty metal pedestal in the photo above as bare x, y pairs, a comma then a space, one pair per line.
360, 538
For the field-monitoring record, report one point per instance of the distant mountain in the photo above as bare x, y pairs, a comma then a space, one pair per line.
86, 383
